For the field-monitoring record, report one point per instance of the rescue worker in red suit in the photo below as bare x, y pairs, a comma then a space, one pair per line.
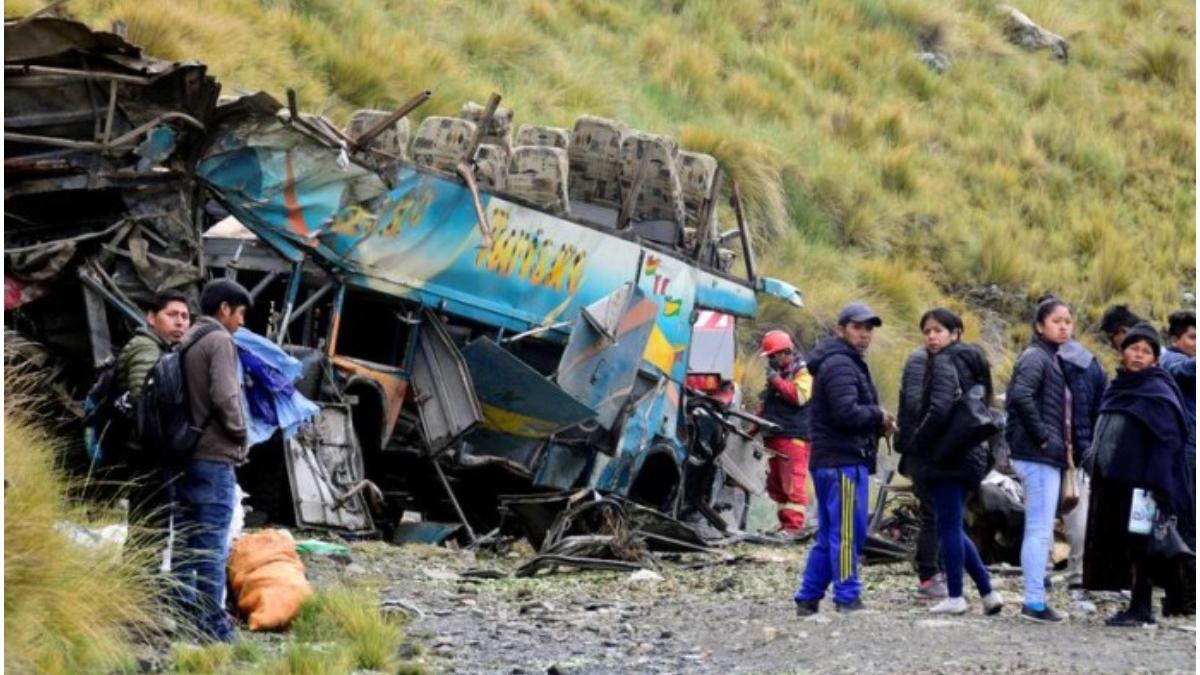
785, 403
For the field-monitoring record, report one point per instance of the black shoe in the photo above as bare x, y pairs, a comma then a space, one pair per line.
1130, 619
852, 606
807, 607
1172, 607
1044, 615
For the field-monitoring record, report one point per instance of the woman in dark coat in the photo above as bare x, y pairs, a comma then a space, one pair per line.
1139, 444
952, 369
1038, 435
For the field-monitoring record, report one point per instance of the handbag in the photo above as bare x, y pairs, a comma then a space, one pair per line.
1165, 541
1068, 496
971, 422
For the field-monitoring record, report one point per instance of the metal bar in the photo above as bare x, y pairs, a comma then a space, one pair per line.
81, 238
707, 229
489, 113
454, 500
635, 189
408, 106
125, 309
263, 283
112, 111
99, 335
747, 248
880, 502
91, 145
468, 177
335, 321
289, 302
533, 331
310, 301
82, 74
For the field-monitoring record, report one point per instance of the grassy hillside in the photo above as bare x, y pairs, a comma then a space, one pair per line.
872, 176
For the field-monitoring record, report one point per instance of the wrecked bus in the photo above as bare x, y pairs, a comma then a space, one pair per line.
483, 315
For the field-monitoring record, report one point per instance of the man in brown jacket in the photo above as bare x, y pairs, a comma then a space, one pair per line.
206, 487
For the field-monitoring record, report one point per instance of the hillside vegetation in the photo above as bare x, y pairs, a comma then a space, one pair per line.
870, 175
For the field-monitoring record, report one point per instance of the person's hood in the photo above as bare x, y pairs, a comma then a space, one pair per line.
828, 347
1076, 354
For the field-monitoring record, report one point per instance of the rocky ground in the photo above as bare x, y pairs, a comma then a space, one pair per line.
734, 616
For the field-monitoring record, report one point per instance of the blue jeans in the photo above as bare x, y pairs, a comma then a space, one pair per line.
204, 494
1041, 483
841, 530
958, 551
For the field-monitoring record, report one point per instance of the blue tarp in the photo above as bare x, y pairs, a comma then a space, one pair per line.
272, 403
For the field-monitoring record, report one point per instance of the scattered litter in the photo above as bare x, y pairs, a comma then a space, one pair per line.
641, 576
317, 547
439, 574
94, 537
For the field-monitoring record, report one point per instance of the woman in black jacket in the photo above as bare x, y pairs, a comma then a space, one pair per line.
1038, 433
952, 369
1138, 445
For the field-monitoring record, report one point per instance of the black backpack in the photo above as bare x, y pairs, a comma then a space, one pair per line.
108, 419
164, 411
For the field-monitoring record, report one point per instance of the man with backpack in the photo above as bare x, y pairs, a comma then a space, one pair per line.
151, 494
206, 486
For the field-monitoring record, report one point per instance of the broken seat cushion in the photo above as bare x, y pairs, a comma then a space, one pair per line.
267, 579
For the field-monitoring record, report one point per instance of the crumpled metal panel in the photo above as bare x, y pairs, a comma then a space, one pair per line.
601, 360
324, 464
521, 408
443, 389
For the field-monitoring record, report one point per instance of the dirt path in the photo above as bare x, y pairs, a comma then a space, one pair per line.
728, 619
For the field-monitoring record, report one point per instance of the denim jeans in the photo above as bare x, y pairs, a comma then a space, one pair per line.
1041, 483
958, 551
205, 495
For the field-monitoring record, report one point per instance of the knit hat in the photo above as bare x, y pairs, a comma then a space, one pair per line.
1146, 333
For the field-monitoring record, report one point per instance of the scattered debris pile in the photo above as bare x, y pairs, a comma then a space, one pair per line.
100, 207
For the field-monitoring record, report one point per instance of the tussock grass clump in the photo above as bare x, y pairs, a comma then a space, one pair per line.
68, 607
351, 618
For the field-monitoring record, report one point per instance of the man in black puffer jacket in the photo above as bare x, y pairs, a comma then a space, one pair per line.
846, 424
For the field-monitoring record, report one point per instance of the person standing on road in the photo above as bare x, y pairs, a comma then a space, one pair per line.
931, 583
953, 369
1086, 379
1139, 444
1179, 360
1038, 403
152, 489
846, 423
207, 483
785, 403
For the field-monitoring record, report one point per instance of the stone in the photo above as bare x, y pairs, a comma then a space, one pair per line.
1023, 32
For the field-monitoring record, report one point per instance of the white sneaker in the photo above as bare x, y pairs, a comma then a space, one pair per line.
951, 606
992, 603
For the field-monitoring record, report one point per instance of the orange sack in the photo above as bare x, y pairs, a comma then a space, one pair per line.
267, 579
